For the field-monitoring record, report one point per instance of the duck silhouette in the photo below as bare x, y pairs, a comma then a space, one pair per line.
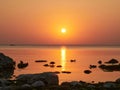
22, 65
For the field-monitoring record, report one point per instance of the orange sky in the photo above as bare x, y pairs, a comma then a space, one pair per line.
40, 21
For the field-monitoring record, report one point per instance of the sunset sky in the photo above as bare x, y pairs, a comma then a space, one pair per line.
40, 22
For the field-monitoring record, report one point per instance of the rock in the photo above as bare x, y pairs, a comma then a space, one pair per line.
109, 85
112, 61
87, 71
118, 80
74, 83
91, 86
65, 84
4, 83
6, 62
26, 86
49, 78
24, 78
7, 66
52, 62
38, 84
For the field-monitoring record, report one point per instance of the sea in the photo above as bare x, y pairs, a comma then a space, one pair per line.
84, 56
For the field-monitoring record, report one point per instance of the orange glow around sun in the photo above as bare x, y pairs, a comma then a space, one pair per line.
63, 30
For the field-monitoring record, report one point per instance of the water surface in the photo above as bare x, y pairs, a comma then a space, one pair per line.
62, 55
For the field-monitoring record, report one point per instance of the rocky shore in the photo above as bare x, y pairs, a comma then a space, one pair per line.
50, 81
45, 80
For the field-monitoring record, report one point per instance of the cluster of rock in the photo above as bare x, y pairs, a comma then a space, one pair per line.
49, 81
30, 81
46, 78
110, 66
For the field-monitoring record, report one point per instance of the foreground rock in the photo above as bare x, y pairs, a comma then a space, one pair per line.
7, 66
47, 78
74, 85
6, 62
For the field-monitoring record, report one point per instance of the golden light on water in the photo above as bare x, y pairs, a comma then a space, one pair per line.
63, 58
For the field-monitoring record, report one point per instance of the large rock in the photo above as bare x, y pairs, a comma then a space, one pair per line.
7, 66
49, 78
4, 82
6, 62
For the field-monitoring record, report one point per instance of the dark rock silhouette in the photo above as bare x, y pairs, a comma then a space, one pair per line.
56, 72
46, 65
52, 65
92, 66
48, 78
87, 71
59, 66
7, 66
22, 65
72, 60
110, 68
67, 72
6, 62
99, 62
40, 60
112, 61
52, 62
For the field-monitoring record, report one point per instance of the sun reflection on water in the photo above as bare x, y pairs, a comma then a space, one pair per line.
63, 57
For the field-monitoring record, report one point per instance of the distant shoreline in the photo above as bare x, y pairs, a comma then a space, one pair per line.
71, 45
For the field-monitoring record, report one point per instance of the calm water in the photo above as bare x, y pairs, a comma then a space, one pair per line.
62, 56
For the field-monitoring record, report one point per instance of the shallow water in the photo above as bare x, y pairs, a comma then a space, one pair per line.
62, 55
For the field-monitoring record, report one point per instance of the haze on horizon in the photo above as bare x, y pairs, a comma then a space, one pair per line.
40, 21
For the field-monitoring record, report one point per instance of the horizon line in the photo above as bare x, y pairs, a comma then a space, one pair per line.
59, 45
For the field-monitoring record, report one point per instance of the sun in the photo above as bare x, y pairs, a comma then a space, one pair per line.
63, 30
